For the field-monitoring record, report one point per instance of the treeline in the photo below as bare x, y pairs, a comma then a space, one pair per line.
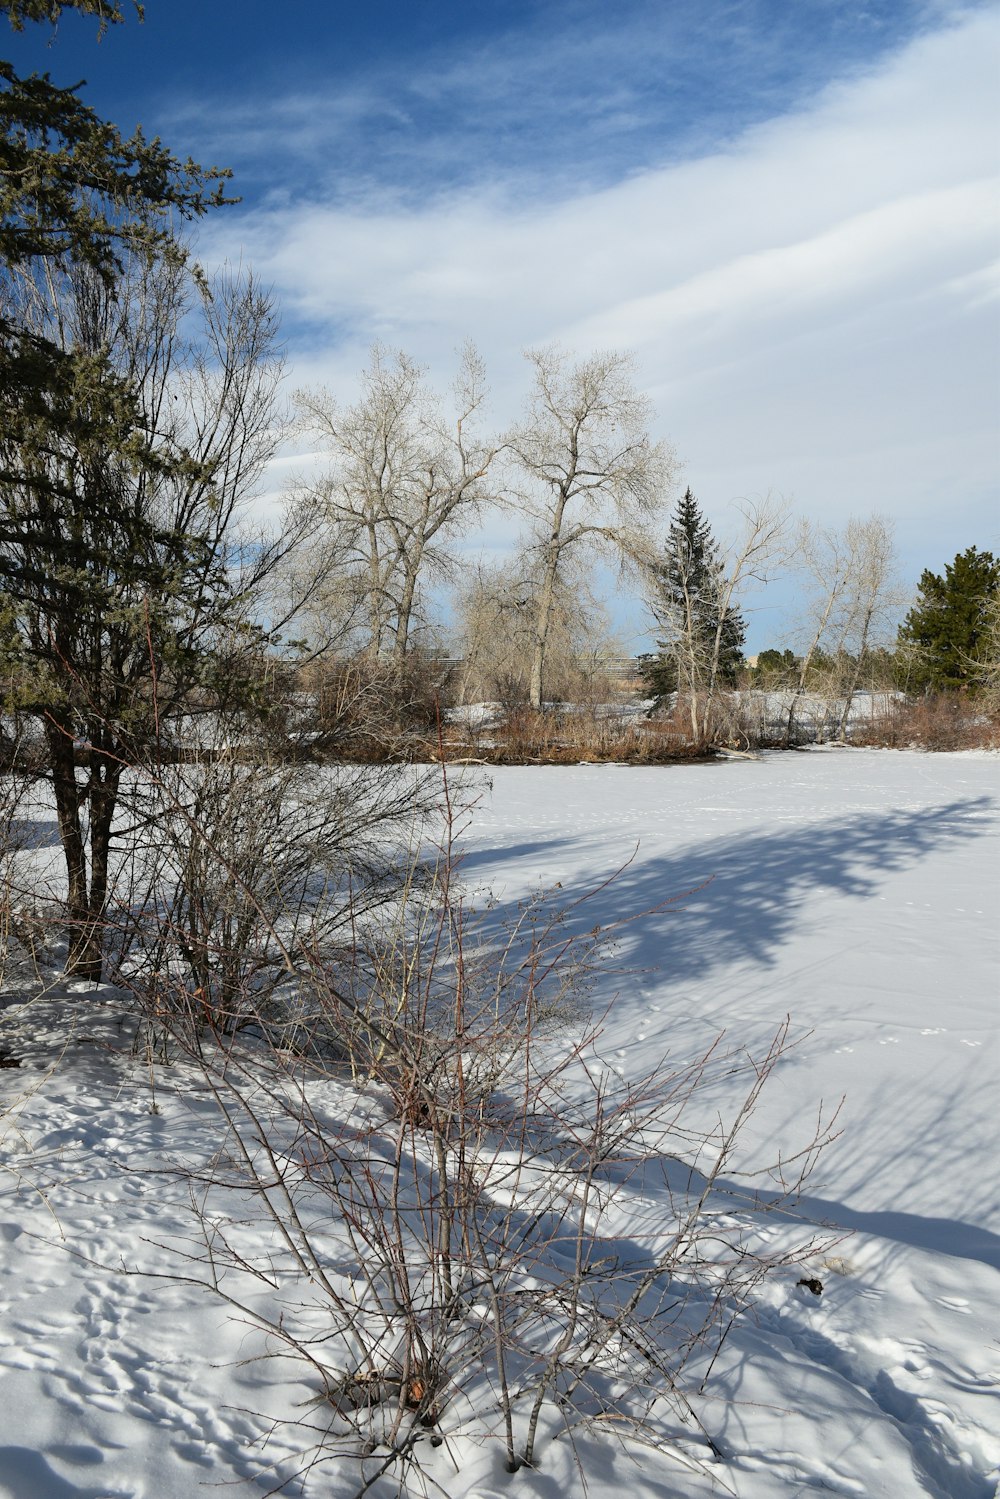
402, 479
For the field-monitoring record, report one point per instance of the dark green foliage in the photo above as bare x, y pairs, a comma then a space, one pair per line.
695, 652
116, 576
72, 188
108, 12
659, 673
943, 640
776, 668
74, 192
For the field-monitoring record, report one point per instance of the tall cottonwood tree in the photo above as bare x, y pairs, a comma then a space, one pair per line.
852, 601
590, 478
874, 599
495, 627
405, 479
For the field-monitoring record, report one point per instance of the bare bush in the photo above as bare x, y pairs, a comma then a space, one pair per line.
369, 710
25, 925
245, 874
940, 721
445, 1171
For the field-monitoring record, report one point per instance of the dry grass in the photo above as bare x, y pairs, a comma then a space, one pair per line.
939, 722
569, 736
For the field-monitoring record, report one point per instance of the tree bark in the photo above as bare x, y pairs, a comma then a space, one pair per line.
86, 850
544, 613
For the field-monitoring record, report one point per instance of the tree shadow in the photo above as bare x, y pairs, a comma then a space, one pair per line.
27, 1475
937, 1235
477, 857
34, 832
740, 899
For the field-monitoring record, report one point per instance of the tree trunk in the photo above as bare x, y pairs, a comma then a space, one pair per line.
710, 685
855, 677
800, 686
832, 595
86, 898
411, 570
542, 618
69, 798
103, 800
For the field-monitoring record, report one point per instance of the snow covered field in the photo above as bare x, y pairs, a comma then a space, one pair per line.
855, 891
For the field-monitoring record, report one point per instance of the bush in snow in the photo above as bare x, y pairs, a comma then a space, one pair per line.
448, 1170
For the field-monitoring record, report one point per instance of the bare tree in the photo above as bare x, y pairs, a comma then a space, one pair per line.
874, 600
592, 478
824, 554
854, 592
987, 660
495, 615
404, 480
757, 550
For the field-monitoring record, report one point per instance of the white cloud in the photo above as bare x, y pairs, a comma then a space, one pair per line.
811, 307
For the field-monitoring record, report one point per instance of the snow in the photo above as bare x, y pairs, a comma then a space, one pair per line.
853, 890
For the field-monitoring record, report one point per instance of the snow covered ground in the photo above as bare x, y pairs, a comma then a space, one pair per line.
855, 891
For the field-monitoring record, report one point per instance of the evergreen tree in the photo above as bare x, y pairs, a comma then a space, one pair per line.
703, 642
776, 668
944, 640
118, 576
74, 192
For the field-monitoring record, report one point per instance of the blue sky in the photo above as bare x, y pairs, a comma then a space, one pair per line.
787, 208
338, 100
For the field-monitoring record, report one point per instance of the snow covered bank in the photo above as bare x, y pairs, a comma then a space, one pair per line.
855, 891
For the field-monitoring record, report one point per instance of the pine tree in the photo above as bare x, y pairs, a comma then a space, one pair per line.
74, 192
944, 640
117, 574
776, 668
699, 650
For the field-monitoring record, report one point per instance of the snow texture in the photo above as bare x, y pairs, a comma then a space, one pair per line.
854, 890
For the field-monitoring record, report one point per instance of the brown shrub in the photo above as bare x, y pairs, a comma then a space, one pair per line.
939, 721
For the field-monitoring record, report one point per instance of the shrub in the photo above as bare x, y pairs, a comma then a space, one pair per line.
246, 874
445, 1167
369, 710
938, 721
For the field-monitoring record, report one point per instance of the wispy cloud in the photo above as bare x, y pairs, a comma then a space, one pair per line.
788, 210
569, 94
811, 300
